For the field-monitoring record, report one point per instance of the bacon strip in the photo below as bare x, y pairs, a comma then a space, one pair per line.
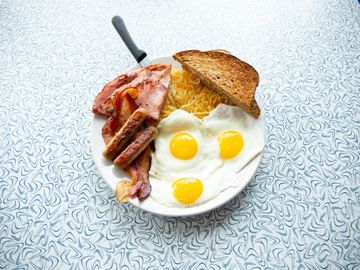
107, 131
147, 79
103, 104
139, 170
135, 148
119, 141
152, 94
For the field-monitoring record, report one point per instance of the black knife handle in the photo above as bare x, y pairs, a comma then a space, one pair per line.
120, 27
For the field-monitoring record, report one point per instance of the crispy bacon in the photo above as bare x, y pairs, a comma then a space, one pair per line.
147, 79
125, 108
103, 104
139, 170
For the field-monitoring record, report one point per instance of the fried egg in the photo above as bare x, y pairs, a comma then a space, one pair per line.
184, 192
195, 160
240, 136
183, 148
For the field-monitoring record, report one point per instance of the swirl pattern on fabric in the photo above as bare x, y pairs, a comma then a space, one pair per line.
300, 211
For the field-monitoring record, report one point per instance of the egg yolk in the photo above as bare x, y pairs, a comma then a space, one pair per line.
183, 146
187, 190
231, 142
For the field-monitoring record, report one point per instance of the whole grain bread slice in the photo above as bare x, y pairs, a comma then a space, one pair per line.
225, 74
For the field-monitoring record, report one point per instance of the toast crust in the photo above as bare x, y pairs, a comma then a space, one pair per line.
225, 74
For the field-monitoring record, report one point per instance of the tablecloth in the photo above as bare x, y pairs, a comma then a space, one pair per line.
300, 211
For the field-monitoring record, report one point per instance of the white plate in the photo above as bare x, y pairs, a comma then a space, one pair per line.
112, 174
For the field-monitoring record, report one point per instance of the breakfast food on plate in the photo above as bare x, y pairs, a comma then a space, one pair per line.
136, 147
133, 102
224, 74
147, 87
188, 93
197, 159
139, 172
125, 133
183, 146
202, 120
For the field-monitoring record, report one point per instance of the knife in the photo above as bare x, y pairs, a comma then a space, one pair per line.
139, 55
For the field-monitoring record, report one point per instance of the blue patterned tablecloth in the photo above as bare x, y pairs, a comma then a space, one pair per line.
300, 211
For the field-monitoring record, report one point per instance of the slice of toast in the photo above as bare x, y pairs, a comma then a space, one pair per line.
225, 74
